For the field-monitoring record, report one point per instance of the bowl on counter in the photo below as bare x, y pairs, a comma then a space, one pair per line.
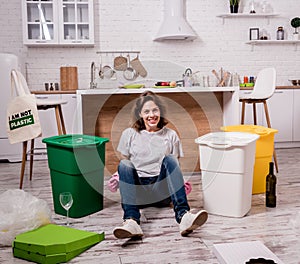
133, 86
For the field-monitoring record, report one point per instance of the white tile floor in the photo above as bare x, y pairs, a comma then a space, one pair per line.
162, 242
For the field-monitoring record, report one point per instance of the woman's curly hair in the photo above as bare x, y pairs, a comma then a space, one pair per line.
138, 122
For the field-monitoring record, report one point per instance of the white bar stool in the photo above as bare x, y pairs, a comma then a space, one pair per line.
264, 88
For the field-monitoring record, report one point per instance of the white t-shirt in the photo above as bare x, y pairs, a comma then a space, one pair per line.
146, 150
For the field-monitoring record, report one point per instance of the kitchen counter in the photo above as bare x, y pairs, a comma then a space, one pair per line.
277, 87
191, 111
203, 89
54, 92
197, 89
230, 99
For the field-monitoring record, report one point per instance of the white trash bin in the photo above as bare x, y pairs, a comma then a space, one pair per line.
226, 163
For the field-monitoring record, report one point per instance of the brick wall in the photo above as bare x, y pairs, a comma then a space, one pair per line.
131, 25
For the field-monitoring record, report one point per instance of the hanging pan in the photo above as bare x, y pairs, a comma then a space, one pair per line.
129, 74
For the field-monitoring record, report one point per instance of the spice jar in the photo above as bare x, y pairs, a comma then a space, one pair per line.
280, 33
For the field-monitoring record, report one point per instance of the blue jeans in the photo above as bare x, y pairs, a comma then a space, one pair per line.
136, 192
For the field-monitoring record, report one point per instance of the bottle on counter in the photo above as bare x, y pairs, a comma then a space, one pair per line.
187, 78
280, 33
235, 79
252, 8
187, 81
271, 187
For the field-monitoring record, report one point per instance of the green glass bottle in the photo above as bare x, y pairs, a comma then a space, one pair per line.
271, 187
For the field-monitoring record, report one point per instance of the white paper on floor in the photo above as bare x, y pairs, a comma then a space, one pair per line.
241, 252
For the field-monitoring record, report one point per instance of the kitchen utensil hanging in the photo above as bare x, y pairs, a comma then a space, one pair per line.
101, 75
138, 66
108, 71
120, 63
129, 74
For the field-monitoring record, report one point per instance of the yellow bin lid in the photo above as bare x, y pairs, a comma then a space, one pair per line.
254, 129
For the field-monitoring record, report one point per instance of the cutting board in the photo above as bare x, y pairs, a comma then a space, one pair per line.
68, 78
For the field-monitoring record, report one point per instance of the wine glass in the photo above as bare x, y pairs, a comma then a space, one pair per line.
66, 201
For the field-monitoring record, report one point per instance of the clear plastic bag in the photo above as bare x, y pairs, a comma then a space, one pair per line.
20, 212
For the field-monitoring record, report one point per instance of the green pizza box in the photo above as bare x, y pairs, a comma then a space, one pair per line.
54, 242
47, 259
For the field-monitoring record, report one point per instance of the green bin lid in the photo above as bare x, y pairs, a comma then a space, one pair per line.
75, 141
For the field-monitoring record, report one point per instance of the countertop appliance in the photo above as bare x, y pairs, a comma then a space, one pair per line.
8, 152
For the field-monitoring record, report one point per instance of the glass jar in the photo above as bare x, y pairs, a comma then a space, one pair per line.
280, 33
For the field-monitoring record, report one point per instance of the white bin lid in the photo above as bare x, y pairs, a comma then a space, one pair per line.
226, 139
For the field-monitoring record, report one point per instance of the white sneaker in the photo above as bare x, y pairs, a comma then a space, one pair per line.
129, 229
190, 222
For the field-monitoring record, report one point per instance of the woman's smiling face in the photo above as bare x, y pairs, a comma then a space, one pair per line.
150, 114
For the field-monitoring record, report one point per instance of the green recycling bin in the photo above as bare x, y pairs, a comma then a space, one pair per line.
76, 164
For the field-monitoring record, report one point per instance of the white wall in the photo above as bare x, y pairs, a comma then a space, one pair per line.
131, 25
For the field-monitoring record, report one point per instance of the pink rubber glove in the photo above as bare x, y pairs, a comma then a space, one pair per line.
188, 188
113, 182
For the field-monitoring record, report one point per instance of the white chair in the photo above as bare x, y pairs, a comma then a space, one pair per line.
42, 104
264, 88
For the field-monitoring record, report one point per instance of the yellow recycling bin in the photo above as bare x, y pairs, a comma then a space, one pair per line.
263, 155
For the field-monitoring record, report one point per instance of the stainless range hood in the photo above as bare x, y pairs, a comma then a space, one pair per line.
174, 26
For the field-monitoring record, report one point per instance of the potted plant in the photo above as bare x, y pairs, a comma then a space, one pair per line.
234, 6
295, 23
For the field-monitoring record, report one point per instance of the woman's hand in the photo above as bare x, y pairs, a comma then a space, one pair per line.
113, 182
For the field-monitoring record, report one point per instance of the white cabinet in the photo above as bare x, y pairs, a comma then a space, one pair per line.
280, 107
69, 112
39, 22
58, 22
296, 115
77, 22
